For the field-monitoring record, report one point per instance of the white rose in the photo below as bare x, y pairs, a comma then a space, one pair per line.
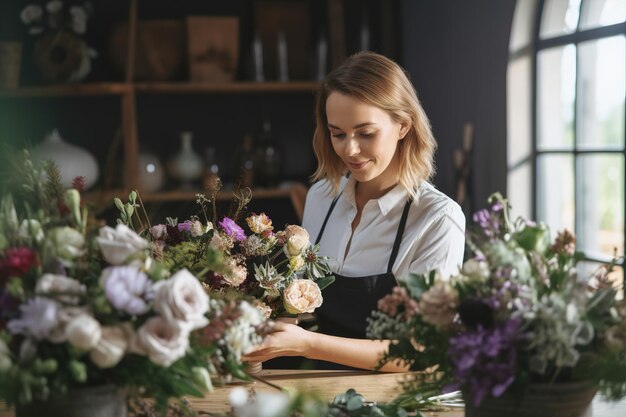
58, 334
110, 349
66, 243
295, 246
164, 342
475, 269
5, 357
64, 288
182, 298
84, 332
119, 244
31, 229
236, 275
302, 296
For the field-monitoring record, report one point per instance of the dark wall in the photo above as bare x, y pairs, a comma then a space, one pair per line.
456, 52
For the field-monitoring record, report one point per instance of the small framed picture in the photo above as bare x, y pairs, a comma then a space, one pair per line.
212, 48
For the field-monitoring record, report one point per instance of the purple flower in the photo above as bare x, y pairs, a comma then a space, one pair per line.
185, 226
232, 229
39, 317
484, 360
127, 288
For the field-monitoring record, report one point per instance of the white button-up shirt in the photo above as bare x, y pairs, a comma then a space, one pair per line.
434, 237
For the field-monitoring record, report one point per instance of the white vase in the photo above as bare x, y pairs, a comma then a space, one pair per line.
150, 172
72, 161
186, 165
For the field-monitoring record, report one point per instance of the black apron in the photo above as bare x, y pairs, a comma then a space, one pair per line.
349, 301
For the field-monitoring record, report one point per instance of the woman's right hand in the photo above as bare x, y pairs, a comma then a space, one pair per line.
284, 340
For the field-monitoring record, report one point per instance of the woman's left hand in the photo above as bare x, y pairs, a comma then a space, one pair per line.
284, 340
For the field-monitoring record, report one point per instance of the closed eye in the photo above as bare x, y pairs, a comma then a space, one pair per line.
338, 135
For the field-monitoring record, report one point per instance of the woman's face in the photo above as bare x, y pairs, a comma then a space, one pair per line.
365, 138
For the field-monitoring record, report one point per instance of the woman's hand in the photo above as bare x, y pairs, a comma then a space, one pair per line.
284, 340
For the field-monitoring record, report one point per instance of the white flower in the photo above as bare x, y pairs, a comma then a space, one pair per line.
127, 288
58, 334
5, 357
111, 348
302, 296
196, 228
38, 318
54, 6
164, 342
66, 243
250, 315
65, 289
181, 298
31, 229
31, 13
120, 244
475, 269
439, 304
236, 274
296, 240
84, 332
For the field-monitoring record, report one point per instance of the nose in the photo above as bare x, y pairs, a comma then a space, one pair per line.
352, 146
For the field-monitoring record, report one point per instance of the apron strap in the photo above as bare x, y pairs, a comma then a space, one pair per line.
330, 210
399, 234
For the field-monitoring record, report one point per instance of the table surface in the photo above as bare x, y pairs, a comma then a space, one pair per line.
373, 386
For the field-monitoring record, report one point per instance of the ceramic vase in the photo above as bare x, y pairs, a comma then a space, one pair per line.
151, 173
72, 161
186, 165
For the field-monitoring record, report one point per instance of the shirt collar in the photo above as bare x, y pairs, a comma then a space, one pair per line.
385, 203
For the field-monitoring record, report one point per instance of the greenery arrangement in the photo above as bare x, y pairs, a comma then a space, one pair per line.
517, 313
87, 305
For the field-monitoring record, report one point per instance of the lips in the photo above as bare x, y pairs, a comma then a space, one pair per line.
357, 165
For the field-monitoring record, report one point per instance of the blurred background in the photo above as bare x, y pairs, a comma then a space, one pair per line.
525, 97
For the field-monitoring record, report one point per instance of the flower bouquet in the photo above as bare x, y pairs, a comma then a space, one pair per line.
280, 272
82, 306
517, 316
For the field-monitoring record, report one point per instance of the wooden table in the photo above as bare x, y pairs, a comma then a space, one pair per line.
373, 386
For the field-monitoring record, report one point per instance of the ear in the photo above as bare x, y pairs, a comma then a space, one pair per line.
404, 129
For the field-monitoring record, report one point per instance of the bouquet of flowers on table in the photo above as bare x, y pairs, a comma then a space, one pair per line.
84, 306
242, 256
517, 313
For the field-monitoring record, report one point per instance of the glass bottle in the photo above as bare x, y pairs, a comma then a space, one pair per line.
246, 164
211, 174
268, 157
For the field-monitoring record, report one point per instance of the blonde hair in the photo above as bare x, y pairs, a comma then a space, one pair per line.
378, 81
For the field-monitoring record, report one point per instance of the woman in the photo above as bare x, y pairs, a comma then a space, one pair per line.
381, 221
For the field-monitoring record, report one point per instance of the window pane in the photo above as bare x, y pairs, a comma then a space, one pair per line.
519, 192
556, 88
601, 93
519, 110
601, 204
597, 13
559, 17
522, 29
555, 191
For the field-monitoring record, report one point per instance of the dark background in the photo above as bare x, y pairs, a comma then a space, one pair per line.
455, 52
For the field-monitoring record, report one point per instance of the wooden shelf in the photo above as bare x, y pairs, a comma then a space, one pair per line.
296, 192
234, 87
68, 90
103, 89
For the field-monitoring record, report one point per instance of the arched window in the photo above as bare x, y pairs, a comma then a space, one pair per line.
566, 86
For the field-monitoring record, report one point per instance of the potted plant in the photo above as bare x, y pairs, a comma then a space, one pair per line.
518, 329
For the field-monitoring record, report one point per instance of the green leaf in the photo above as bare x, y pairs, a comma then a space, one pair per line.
325, 281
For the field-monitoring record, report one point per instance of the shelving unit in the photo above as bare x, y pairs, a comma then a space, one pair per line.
152, 114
